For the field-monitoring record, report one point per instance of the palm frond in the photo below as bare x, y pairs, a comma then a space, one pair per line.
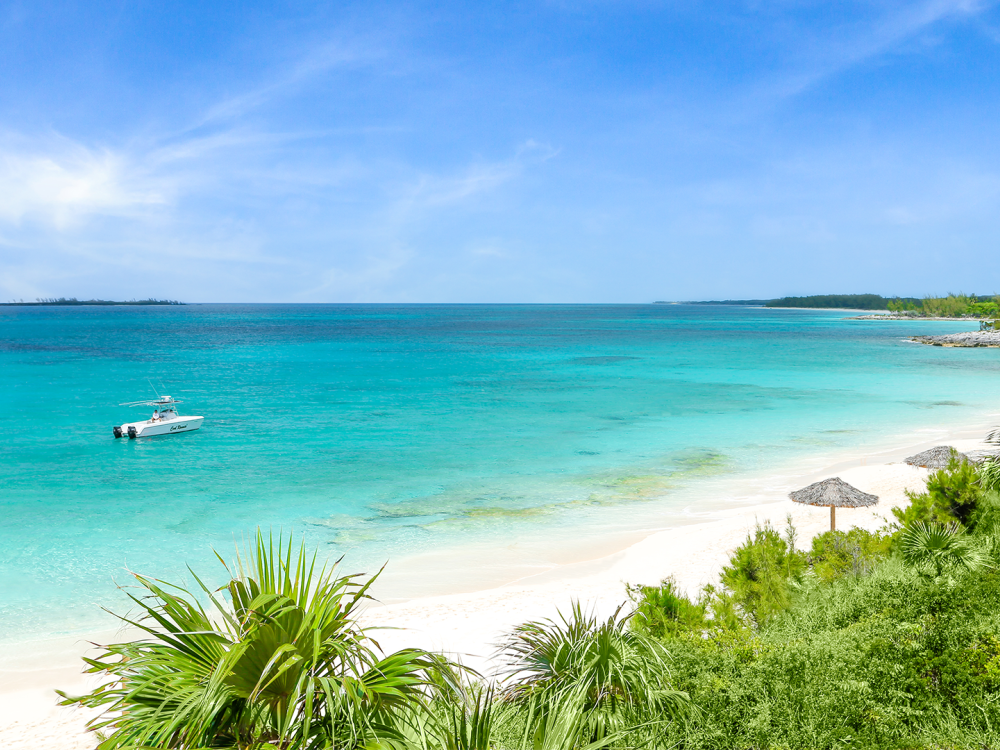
989, 473
939, 547
284, 663
615, 677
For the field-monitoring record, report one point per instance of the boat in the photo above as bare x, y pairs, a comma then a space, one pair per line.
165, 420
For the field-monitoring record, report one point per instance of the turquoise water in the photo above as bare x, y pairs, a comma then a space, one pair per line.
383, 431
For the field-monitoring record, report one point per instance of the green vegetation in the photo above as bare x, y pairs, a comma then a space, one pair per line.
848, 301
836, 554
616, 676
278, 660
881, 640
952, 306
282, 664
954, 493
884, 639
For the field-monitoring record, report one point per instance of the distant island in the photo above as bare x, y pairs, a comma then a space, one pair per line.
74, 302
952, 306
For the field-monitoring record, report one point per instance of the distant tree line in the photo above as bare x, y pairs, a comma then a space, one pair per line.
952, 306
850, 301
63, 301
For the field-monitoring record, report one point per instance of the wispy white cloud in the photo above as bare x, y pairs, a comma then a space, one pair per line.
286, 81
364, 278
840, 48
490, 248
60, 182
66, 182
436, 190
360, 51
385, 257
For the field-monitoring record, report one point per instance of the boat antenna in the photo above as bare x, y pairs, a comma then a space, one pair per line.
153, 387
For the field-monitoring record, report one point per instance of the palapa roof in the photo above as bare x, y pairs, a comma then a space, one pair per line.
834, 492
935, 458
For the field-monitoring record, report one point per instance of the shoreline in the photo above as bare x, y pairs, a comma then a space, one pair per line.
466, 618
916, 318
477, 566
468, 626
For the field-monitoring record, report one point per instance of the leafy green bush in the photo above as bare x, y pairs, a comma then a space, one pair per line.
985, 518
663, 611
871, 640
757, 585
952, 306
877, 661
835, 554
761, 573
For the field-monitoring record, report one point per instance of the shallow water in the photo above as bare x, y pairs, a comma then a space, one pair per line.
379, 431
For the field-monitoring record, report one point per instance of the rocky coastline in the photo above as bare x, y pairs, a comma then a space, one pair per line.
911, 317
990, 338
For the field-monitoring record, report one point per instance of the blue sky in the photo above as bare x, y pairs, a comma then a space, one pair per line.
500, 152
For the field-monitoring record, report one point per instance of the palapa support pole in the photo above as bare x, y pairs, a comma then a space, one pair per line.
833, 518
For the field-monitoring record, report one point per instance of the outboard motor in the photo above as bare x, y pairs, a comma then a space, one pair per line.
117, 431
131, 432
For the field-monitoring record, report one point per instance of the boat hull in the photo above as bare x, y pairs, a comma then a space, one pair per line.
149, 428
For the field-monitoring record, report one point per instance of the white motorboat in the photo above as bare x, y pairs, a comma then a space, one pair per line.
165, 420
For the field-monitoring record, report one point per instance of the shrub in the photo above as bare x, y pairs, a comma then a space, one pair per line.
953, 494
609, 676
985, 519
761, 572
663, 611
879, 660
835, 554
866, 648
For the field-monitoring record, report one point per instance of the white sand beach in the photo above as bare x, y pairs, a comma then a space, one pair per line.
468, 625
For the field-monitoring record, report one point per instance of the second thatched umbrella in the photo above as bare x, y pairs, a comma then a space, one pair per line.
835, 493
936, 458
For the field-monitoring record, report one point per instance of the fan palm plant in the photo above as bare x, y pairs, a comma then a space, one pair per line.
613, 678
282, 663
941, 548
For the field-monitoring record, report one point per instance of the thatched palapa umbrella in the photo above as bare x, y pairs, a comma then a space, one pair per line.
935, 458
836, 493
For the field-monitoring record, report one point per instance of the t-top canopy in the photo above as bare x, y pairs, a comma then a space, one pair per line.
157, 402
